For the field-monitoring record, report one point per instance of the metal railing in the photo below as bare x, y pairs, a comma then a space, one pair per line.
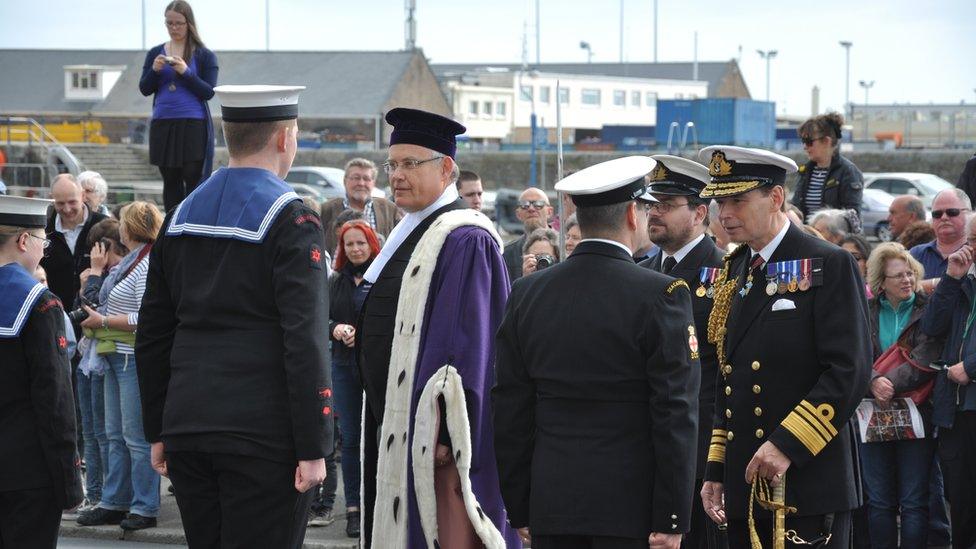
32, 178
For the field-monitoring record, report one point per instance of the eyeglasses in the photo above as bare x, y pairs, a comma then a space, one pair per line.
359, 177
46, 242
537, 204
809, 140
176, 24
664, 208
951, 212
391, 166
905, 275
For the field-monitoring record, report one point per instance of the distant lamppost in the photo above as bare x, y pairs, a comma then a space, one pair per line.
867, 85
589, 50
846, 44
768, 55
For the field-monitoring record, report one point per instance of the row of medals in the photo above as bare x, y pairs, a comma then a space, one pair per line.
772, 287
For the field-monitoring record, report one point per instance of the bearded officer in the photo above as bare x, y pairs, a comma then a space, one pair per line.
617, 395
676, 222
790, 323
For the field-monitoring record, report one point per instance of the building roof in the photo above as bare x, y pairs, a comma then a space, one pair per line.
714, 72
340, 83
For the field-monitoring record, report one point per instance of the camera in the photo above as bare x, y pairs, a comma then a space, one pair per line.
170, 60
544, 260
79, 315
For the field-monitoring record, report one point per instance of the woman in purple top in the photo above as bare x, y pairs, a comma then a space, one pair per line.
181, 75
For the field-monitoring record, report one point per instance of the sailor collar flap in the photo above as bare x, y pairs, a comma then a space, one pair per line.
238, 203
20, 293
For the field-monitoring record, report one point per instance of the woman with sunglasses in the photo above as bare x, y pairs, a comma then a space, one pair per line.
827, 180
180, 75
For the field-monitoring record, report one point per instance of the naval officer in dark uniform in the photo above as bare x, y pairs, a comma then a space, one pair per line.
232, 344
595, 434
39, 465
676, 222
790, 323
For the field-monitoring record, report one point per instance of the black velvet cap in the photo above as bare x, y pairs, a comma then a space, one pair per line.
426, 129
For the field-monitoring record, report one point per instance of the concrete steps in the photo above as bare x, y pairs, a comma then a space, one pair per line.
117, 162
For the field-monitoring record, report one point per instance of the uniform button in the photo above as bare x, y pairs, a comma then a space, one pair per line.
758, 411
755, 365
674, 526
728, 413
727, 369
731, 435
756, 389
674, 517
759, 433
728, 390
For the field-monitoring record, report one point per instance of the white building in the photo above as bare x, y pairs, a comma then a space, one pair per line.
496, 104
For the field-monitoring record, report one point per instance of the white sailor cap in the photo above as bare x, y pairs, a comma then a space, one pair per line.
258, 103
610, 182
677, 176
737, 170
18, 211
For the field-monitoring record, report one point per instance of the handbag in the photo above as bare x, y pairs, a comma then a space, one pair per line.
899, 354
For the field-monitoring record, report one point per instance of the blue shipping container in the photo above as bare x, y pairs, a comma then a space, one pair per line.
718, 121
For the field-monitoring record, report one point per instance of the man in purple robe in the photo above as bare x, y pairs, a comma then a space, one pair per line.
425, 345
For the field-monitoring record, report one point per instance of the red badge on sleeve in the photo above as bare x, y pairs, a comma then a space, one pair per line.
315, 257
325, 393
62, 342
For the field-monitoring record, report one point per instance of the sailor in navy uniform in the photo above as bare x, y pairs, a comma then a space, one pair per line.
790, 324
676, 222
232, 344
40, 471
595, 436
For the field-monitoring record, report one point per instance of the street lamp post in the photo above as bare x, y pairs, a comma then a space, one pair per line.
768, 55
589, 50
846, 44
867, 85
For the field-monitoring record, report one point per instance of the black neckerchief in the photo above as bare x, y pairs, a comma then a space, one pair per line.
354, 271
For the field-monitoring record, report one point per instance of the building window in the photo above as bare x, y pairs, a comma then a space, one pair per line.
500, 109
473, 108
590, 96
679, 96
635, 99
93, 80
75, 77
650, 99
525, 93
486, 108
619, 98
544, 94
564, 96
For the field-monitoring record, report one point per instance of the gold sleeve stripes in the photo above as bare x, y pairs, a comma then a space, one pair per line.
716, 450
811, 425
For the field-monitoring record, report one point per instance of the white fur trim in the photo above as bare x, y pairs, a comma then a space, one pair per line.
446, 382
390, 509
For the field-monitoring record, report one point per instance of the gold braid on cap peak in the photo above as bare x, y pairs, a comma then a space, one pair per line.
722, 304
719, 189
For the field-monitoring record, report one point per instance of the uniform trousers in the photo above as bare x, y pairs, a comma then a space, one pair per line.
232, 501
957, 452
587, 542
807, 528
29, 518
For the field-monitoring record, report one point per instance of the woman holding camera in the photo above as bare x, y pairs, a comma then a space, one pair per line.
358, 246
131, 485
180, 75
896, 472
541, 250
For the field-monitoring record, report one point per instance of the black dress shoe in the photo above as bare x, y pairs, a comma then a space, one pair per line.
352, 524
99, 516
138, 522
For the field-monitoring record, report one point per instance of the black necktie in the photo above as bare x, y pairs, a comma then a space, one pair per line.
669, 264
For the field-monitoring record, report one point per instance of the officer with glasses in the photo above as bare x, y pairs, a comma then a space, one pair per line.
534, 211
949, 223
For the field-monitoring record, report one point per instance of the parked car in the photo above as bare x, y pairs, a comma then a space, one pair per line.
311, 191
328, 179
874, 214
923, 185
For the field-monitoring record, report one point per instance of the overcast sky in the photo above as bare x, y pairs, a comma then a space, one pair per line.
916, 52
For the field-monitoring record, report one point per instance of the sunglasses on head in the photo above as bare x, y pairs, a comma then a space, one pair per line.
951, 212
537, 204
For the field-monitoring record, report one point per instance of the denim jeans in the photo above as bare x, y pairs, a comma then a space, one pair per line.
896, 476
130, 482
349, 402
91, 402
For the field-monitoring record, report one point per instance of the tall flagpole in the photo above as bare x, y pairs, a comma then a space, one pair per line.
559, 171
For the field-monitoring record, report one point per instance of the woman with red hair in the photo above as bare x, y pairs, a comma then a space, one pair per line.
358, 246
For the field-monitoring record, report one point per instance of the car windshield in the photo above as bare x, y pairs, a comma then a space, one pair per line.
932, 184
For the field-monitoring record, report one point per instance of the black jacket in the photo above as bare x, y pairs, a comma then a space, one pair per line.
342, 310
64, 267
595, 403
705, 254
512, 254
842, 189
37, 410
231, 348
793, 376
967, 179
